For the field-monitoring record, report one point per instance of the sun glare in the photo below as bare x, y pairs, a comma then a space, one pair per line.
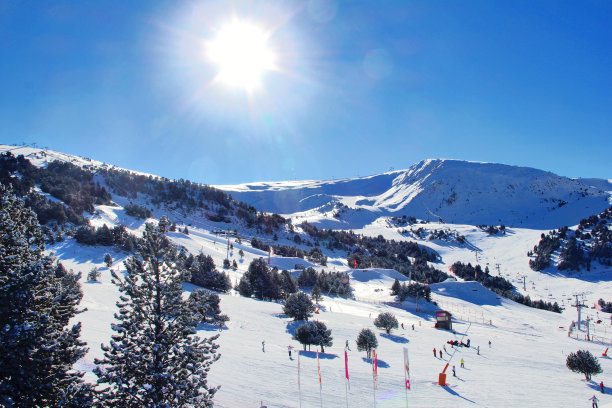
241, 52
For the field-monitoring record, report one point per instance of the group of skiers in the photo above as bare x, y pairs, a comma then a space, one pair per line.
462, 344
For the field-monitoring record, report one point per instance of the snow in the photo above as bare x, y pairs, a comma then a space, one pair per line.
524, 367
457, 191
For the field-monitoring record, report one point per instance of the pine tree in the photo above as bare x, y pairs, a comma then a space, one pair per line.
314, 333
108, 260
583, 362
154, 358
386, 321
262, 283
396, 287
366, 341
205, 305
316, 293
93, 274
204, 273
299, 306
288, 284
37, 301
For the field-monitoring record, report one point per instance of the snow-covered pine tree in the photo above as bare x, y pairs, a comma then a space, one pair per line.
205, 304
204, 273
37, 300
396, 287
316, 293
288, 283
154, 358
366, 341
108, 260
299, 306
386, 321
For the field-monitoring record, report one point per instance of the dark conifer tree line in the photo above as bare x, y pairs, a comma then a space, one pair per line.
500, 285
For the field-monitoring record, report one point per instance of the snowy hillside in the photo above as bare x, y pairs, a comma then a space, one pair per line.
455, 191
525, 365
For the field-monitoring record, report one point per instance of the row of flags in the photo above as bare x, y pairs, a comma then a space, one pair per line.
374, 369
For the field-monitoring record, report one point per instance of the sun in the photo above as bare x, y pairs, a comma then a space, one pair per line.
242, 55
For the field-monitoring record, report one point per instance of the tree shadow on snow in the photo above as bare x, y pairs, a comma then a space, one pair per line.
81, 254
394, 338
313, 354
208, 327
453, 392
381, 363
292, 325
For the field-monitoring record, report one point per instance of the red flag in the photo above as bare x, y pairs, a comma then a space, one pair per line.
346, 364
355, 262
375, 369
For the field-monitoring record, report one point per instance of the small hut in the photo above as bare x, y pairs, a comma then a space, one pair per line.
443, 320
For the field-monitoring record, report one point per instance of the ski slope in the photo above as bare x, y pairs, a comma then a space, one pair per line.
524, 367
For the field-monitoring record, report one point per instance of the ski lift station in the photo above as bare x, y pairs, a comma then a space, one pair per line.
443, 320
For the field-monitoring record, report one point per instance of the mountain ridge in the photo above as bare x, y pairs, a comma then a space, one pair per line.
452, 190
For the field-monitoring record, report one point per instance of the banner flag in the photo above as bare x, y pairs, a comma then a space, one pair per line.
319, 370
407, 369
375, 368
346, 364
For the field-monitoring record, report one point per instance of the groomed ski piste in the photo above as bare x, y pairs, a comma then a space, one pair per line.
524, 367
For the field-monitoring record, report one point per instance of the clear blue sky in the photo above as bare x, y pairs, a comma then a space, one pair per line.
364, 86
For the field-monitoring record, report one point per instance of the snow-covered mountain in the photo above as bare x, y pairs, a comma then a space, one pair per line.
525, 364
453, 190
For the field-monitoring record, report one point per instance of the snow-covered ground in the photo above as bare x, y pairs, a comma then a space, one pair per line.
525, 365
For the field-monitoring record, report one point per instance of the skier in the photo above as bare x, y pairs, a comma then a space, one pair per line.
468, 343
595, 401
602, 387
435, 355
462, 363
263, 346
289, 350
454, 375
347, 346
440, 353
489, 343
221, 326
402, 326
478, 350
413, 327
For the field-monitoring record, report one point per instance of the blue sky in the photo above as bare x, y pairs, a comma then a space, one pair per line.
362, 86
